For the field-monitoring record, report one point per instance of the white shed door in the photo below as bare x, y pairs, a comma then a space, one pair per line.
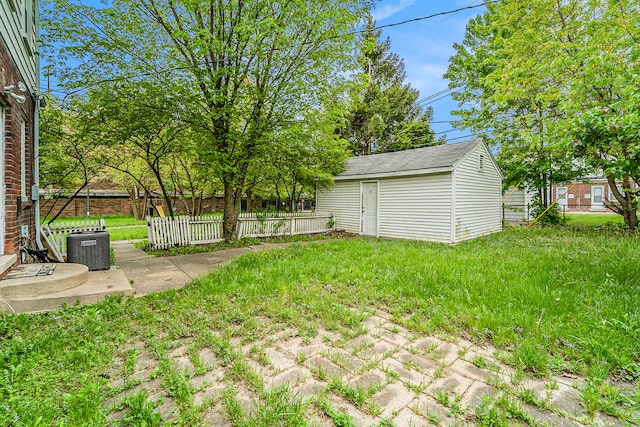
370, 208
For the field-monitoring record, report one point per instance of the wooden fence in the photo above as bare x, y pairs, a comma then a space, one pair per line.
56, 233
164, 233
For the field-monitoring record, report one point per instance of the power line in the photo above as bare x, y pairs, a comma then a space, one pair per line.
434, 100
395, 24
449, 12
428, 97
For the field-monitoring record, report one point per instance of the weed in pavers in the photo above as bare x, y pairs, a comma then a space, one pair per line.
446, 353
393, 397
234, 408
290, 378
280, 361
392, 338
406, 417
216, 416
359, 343
501, 410
419, 362
138, 410
339, 417
322, 367
453, 383
344, 359
568, 400
310, 389
392, 365
476, 392
548, 418
427, 345
380, 349
600, 396
429, 409
244, 370
357, 395
279, 406
451, 402
472, 371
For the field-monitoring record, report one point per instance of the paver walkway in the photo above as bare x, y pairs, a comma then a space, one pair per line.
147, 273
386, 374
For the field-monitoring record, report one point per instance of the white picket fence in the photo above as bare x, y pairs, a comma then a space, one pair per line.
56, 233
164, 233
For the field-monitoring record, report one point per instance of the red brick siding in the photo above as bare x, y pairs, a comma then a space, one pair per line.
579, 203
100, 206
17, 212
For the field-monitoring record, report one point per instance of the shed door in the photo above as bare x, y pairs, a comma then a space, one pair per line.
369, 208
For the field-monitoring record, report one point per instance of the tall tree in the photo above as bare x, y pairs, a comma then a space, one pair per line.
514, 118
382, 108
235, 69
554, 84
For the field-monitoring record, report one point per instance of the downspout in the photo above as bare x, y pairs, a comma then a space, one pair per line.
35, 189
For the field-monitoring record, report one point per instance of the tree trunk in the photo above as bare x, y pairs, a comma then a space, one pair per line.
627, 208
232, 204
249, 201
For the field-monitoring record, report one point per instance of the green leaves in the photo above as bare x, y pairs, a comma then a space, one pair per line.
536, 76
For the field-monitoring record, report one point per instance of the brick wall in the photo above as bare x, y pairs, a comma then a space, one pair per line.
98, 206
16, 211
112, 205
579, 197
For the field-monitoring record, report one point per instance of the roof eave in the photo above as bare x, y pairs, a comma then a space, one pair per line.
415, 172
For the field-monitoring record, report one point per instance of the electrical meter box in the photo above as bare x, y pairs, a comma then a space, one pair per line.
89, 248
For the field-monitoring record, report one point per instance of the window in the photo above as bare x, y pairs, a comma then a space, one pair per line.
561, 197
611, 197
597, 196
23, 160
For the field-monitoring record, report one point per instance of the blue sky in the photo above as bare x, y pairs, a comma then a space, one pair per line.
426, 46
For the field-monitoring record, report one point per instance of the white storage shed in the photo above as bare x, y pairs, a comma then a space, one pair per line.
446, 193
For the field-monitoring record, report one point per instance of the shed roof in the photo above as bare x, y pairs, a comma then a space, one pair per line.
419, 160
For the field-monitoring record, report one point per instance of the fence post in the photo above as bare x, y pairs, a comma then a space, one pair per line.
293, 226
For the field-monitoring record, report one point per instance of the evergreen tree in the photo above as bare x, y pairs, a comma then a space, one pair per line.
385, 115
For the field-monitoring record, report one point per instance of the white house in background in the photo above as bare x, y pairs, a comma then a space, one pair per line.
447, 193
516, 205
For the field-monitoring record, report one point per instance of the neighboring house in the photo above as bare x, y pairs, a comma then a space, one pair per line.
516, 204
588, 196
447, 193
19, 82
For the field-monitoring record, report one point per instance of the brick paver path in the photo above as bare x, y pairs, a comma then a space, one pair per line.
397, 376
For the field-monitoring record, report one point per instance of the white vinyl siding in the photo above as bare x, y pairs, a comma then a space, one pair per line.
20, 33
516, 205
342, 200
416, 207
478, 196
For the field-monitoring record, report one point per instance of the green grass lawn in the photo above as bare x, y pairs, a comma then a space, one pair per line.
110, 220
127, 233
120, 227
593, 219
554, 300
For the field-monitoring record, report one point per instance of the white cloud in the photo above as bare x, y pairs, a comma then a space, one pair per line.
389, 10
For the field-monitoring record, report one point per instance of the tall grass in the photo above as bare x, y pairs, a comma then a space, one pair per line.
558, 299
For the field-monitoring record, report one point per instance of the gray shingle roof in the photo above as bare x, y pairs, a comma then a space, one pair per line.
439, 156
